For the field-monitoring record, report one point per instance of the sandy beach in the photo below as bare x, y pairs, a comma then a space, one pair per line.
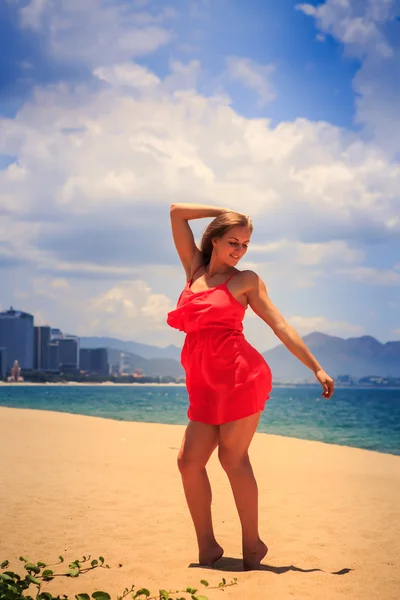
77, 485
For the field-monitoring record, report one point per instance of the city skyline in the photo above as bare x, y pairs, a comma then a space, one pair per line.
43, 348
287, 110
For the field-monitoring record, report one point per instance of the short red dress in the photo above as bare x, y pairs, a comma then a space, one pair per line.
226, 378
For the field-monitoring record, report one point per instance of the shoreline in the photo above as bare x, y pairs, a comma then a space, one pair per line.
112, 384
156, 423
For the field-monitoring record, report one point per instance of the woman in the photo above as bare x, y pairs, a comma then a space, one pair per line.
228, 381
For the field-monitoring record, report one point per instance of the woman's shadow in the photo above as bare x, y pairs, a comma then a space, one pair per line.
228, 563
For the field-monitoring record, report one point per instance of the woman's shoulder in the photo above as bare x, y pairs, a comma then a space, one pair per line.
247, 279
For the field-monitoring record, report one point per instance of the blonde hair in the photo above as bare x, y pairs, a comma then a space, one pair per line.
219, 227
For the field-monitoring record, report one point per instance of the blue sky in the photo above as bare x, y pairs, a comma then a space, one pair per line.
311, 79
109, 113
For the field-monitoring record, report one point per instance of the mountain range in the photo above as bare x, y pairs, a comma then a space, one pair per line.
357, 357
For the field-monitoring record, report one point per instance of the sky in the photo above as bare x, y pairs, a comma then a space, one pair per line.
112, 110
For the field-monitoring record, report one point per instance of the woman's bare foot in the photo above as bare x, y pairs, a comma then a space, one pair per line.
210, 555
253, 557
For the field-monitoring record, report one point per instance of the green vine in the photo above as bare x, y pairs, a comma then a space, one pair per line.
15, 587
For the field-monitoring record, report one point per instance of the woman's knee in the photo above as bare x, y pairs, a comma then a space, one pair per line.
188, 464
231, 460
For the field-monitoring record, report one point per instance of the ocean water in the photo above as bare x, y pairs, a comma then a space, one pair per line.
357, 417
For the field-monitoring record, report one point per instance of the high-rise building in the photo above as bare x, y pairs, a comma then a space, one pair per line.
68, 353
56, 334
3, 353
16, 336
94, 360
54, 357
41, 355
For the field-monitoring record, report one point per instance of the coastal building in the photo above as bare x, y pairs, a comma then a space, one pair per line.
3, 352
17, 337
94, 360
68, 348
54, 357
41, 355
56, 334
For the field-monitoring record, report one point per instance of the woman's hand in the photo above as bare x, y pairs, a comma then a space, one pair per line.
327, 383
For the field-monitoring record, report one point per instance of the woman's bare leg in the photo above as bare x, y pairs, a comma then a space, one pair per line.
199, 442
234, 441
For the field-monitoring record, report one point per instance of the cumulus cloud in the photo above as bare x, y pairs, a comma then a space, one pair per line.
94, 168
369, 31
128, 309
97, 32
254, 76
371, 276
355, 23
114, 158
305, 325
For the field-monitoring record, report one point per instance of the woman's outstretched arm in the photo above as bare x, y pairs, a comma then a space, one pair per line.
262, 305
184, 241
188, 211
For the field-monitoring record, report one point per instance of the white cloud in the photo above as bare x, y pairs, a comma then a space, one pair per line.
128, 74
142, 141
129, 309
254, 76
363, 27
115, 154
371, 276
96, 32
309, 254
356, 24
305, 325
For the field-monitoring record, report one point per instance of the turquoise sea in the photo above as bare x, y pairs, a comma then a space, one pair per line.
358, 417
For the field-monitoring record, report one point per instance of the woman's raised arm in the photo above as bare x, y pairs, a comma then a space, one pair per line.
184, 242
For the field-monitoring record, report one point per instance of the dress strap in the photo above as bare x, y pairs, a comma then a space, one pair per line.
191, 279
229, 278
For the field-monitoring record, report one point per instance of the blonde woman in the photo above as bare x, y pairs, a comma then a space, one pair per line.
228, 381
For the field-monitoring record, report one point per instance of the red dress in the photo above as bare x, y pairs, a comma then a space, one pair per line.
226, 378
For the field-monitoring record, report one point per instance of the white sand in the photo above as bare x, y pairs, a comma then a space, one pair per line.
77, 485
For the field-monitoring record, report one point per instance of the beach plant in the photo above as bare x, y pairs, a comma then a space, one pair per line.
18, 587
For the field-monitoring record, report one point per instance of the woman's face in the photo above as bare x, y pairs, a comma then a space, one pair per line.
233, 245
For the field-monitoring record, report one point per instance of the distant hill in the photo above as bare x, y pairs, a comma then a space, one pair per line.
143, 350
356, 357
163, 367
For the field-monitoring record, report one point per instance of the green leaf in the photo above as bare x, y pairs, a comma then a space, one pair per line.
204, 582
164, 594
61, 558
94, 563
5, 577
4, 564
199, 598
224, 580
45, 596
23, 559
190, 590
142, 592
13, 575
33, 579
73, 572
41, 564
32, 567
12, 591
47, 573
101, 596
101, 559
82, 597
